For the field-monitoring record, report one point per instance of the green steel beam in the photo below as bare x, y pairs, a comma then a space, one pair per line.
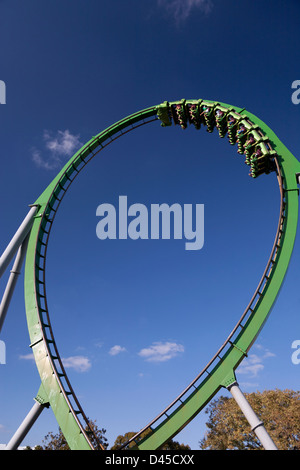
222, 375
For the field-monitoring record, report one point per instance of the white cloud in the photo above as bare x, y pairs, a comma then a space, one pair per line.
253, 364
78, 363
160, 352
181, 9
116, 350
58, 147
64, 143
27, 357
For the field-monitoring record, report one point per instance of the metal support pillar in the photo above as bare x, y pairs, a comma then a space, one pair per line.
17, 239
16, 270
25, 427
256, 425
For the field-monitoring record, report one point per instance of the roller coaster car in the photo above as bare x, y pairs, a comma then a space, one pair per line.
249, 148
179, 114
262, 161
221, 121
252, 143
241, 136
232, 128
194, 114
209, 117
164, 115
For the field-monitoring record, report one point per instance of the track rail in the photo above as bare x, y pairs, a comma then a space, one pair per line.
263, 155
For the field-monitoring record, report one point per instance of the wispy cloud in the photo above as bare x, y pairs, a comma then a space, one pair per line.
254, 363
27, 357
78, 363
117, 349
57, 148
161, 352
181, 9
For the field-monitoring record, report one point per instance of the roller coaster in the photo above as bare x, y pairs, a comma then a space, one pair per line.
264, 153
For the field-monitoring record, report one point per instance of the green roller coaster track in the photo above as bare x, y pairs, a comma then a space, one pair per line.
264, 153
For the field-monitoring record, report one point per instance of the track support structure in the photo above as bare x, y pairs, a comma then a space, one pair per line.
18, 244
26, 425
12, 281
17, 239
264, 153
257, 426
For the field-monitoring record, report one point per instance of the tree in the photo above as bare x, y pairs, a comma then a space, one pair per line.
175, 445
122, 439
229, 429
58, 441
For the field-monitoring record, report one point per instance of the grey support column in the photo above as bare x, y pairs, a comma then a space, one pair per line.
14, 274
256, 425
17, 240
25, 427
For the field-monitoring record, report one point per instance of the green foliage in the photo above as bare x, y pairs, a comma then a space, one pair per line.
58, 442
122, 439
228, 429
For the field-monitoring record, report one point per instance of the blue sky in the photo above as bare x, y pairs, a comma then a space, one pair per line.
135, 321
